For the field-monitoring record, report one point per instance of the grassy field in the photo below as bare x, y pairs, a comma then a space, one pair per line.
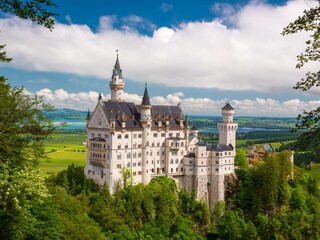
62, 150
315, 171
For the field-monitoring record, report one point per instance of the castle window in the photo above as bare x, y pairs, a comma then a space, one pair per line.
171, 161
182, 169
140, 135
139, 172
177, 161
106, 136
139, 145
134, 155
163, 134
92, 134
139, 163
217, 162
217, 154
170, 134
101, 174
126, 136
155, 135
134, 164
128, 164
178, 134
119, 157
134, 145
151, 153
152, 170
158, 144
139, 154
119, 166
201, 154
163, 144
220, 154
163, 170
217, 169
134, 173
152, 144
128, 155
171, 144
162, 161
126, 146
225, 153
182, 144
119, 146
176, 169
158, 153
119, 136
190, 169
201, 170
190, 162
135, 135
171, 169
162, 153
229, 153
182, 152
99, 134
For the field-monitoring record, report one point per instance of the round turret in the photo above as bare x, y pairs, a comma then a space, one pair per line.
227, 113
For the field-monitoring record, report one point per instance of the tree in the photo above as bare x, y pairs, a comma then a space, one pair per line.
241, 160
309, 120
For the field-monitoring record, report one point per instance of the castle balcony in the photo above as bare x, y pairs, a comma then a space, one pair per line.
174, 148
97, 163
100, 149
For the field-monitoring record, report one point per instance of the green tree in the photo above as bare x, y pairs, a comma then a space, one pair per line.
241, 160
309, 120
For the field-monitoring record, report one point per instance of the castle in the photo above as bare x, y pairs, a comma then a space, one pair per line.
153, 140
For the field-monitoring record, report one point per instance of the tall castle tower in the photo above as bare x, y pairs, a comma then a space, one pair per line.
117, 83
146, 132
227, 128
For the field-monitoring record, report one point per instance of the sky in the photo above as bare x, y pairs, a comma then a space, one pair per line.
197, 53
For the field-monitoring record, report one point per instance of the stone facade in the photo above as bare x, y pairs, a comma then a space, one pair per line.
152, 141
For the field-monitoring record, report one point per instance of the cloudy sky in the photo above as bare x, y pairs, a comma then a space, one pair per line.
199, 53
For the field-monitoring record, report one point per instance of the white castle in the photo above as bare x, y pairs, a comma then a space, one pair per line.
154, 140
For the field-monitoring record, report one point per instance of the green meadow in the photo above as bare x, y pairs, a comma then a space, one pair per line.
63, 149
315, 171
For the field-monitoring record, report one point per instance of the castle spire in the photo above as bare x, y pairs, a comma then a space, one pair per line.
117, 83
117, 71
88, 115
145, 99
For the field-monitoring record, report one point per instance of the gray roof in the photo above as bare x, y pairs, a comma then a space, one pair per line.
192, 154
88, 115
145, 99
227, 107
219, 147
132, 114
117, 69
194, 127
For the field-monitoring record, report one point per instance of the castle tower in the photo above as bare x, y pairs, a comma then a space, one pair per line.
117, 83
227, 128
146, 132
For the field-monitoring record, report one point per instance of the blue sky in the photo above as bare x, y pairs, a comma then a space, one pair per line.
199, 53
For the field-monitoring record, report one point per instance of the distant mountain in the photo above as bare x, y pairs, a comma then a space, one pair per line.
66, 114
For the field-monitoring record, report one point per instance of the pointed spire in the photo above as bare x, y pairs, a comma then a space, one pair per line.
88, 115
145, 99
186, 120
117, 69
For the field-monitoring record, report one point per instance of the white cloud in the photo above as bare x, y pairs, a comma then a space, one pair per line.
166, 7
252, 55
199, 106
